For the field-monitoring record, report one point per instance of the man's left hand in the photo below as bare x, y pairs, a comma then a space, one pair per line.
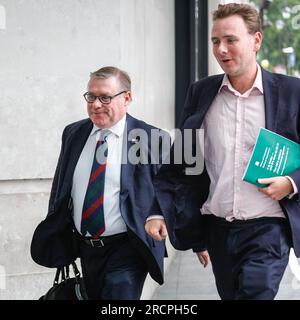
203, 257
278, 187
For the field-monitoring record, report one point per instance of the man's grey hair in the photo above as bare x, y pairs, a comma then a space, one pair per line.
107, 72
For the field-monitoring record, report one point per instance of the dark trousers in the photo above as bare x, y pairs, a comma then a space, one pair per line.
113, 272
249, 257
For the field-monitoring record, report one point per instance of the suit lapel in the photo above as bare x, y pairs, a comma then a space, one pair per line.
271, 100
127, 168
204, 101
74, 144
271, 94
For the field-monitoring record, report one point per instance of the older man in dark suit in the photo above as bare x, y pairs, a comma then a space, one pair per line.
101, 193
246, 230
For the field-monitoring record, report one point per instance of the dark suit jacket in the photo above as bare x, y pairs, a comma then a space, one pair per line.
180, 197
53, 242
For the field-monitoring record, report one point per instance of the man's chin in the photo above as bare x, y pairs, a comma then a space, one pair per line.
102, 124
227, 69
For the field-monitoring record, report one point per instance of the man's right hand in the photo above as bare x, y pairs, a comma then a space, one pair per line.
156, 228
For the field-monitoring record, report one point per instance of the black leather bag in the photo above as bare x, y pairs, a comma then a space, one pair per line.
66, 287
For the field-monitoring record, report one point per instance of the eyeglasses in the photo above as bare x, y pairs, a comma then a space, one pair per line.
89, 97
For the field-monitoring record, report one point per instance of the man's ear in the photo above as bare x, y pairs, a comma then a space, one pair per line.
257, 41
128, 98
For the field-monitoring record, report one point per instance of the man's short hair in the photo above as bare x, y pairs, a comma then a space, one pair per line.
107, 72
247, 12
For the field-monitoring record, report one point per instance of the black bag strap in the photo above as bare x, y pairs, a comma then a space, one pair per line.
64, 273
56, 278
75, 270
67, 270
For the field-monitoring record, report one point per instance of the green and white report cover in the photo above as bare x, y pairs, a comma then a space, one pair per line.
273, 155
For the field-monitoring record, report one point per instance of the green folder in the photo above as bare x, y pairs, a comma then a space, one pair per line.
273, 155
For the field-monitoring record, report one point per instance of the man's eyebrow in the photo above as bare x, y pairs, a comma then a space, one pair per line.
224, 37
102, 94
230, 36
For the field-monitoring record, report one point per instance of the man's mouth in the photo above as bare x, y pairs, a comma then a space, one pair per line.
99, 112
226, 60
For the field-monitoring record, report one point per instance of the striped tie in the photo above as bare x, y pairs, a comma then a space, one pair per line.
92, 220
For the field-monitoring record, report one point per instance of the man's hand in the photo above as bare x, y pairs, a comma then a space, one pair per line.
278, 188
156, 228
203, 257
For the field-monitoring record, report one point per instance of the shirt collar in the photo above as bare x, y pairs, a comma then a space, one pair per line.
117, 129
258, 84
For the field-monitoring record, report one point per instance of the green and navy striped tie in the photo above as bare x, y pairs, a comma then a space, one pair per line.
92, 220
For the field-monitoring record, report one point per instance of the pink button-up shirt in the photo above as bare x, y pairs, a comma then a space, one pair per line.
231, 126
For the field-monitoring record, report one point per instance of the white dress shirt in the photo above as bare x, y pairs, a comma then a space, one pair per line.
114, 222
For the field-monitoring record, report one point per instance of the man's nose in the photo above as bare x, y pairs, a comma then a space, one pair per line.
222, 48
97, 103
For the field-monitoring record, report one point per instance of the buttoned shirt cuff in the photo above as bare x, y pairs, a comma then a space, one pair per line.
155, 217
295, 189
